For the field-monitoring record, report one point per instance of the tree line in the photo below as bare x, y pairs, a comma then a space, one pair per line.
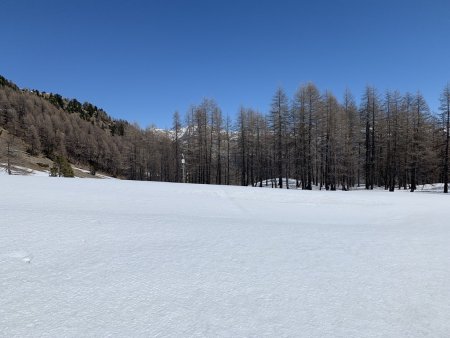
311, 139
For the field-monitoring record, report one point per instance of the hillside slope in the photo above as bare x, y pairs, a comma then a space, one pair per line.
50, 126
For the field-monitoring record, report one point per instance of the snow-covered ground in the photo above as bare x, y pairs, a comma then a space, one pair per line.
19, 170
25, 171
89, 173
103, 258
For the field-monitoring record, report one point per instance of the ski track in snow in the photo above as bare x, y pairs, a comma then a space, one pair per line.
116, 258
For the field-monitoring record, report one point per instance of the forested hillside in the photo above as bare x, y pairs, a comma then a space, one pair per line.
388, 140
82, 133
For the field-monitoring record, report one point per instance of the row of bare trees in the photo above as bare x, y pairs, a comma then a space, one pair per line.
388, 140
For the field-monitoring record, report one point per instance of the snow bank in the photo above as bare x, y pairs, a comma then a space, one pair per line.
19, 170
119, 258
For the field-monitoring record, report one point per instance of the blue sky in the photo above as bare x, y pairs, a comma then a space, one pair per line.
142, 60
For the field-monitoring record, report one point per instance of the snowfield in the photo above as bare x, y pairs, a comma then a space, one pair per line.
97, 258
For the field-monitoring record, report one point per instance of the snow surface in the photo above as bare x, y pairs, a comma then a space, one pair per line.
96, 175
117, 258
25, 171
19, 170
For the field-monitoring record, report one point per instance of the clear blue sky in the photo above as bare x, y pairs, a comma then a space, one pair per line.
142, 60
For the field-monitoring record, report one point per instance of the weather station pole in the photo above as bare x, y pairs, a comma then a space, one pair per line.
183, 165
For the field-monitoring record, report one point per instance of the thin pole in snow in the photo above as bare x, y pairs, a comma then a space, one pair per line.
183, 163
